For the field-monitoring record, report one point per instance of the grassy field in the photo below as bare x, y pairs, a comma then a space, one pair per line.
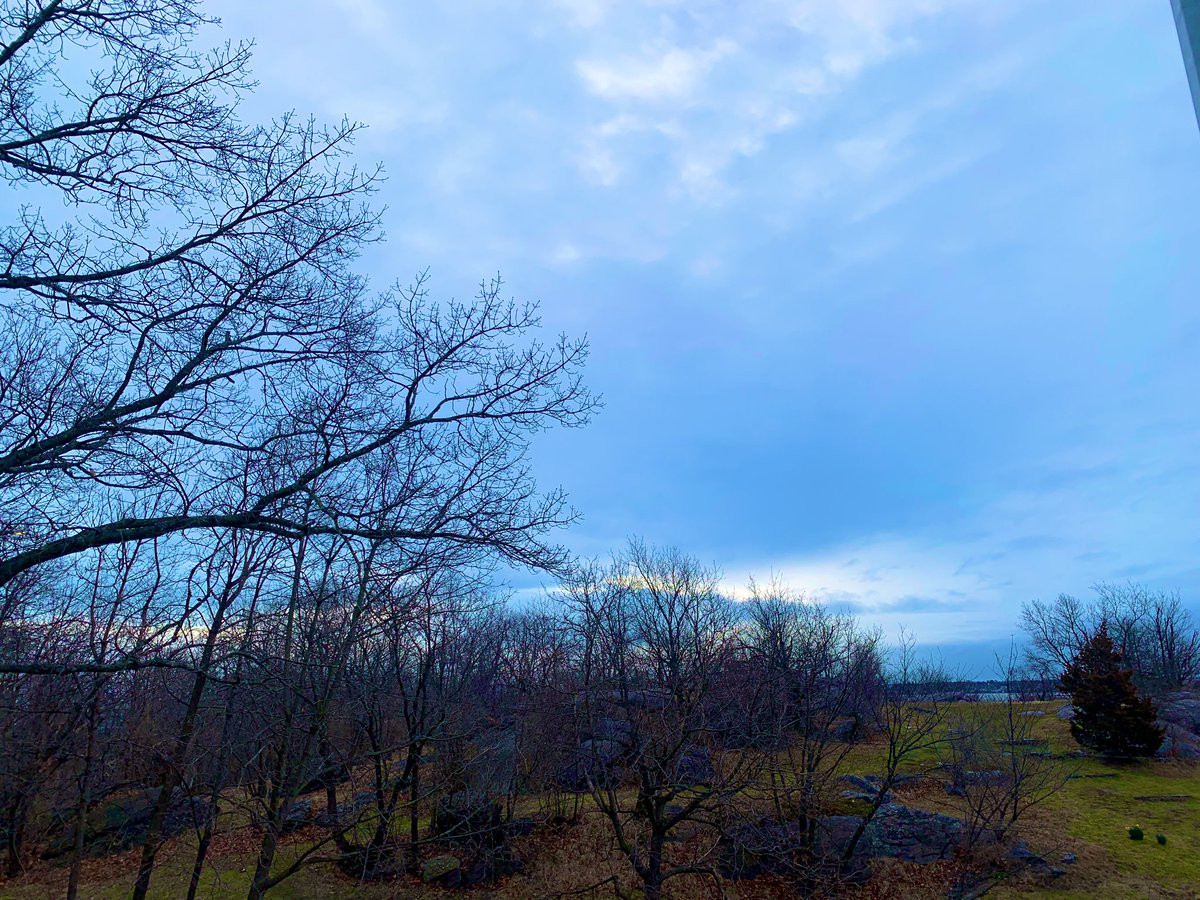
1090, 818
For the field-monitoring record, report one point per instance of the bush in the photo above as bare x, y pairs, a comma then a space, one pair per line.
1136, 833
1162, 839
1110, 717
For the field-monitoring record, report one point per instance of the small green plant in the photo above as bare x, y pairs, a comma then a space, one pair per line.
1162, 839
1136, 833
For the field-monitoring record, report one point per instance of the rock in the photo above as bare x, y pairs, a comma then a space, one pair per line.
122, 823
758, 848
439, 867
1069, 858
520, 828
610, 729
489, 865
347, 812
1182, 709
595, 760
470, 817
833, 835
478, 872
1032, 712
297, 816
331, 775
858, 795
864, 782
868, 787
963, 779
971, 886
644, 699
845, 729
912, 835
1066, 713
1021, 853
492, 770
1178, 742
695, 767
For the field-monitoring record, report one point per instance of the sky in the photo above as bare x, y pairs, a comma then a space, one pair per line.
893, 299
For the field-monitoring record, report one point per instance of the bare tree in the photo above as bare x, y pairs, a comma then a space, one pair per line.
193, 377
999, 769
658, 637
198, 336
1152, 629
821, 683
911, 716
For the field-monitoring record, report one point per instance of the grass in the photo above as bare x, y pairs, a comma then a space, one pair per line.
1090, 817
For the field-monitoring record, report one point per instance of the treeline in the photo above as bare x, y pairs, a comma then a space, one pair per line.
274, 685
271, 673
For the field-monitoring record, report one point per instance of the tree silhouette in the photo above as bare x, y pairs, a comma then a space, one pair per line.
1110, 717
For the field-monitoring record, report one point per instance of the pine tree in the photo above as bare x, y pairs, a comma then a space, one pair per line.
1110, 717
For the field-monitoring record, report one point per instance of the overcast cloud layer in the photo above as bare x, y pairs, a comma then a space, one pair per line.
894, 298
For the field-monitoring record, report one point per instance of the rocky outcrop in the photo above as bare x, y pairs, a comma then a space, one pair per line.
912, 835
122, 823
695, 766
494, 766
445, 869
1179, 717
896, 831
468, 817
764, 847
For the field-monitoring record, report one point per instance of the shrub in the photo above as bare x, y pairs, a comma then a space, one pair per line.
1110, 717
1162, 839
1136, 833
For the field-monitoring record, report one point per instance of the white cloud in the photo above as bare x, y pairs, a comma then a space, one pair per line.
723, 81
669, 74
667, 105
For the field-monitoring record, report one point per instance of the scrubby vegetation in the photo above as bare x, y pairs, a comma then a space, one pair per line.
1081, 831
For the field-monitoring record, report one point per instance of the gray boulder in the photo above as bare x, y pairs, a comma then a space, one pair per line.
867, 787
695, 766
494, 766
912, 835
297, 816
445, 869
1182, 709
468, 817
1178, 743
758, 848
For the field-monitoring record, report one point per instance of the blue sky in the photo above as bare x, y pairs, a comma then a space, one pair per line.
893, 298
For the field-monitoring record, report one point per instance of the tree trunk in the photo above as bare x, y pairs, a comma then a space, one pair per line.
198, 865
14, 837
171, 773
262, 870
85, 802
652, 881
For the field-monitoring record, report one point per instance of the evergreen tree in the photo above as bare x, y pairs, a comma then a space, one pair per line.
1110, 717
